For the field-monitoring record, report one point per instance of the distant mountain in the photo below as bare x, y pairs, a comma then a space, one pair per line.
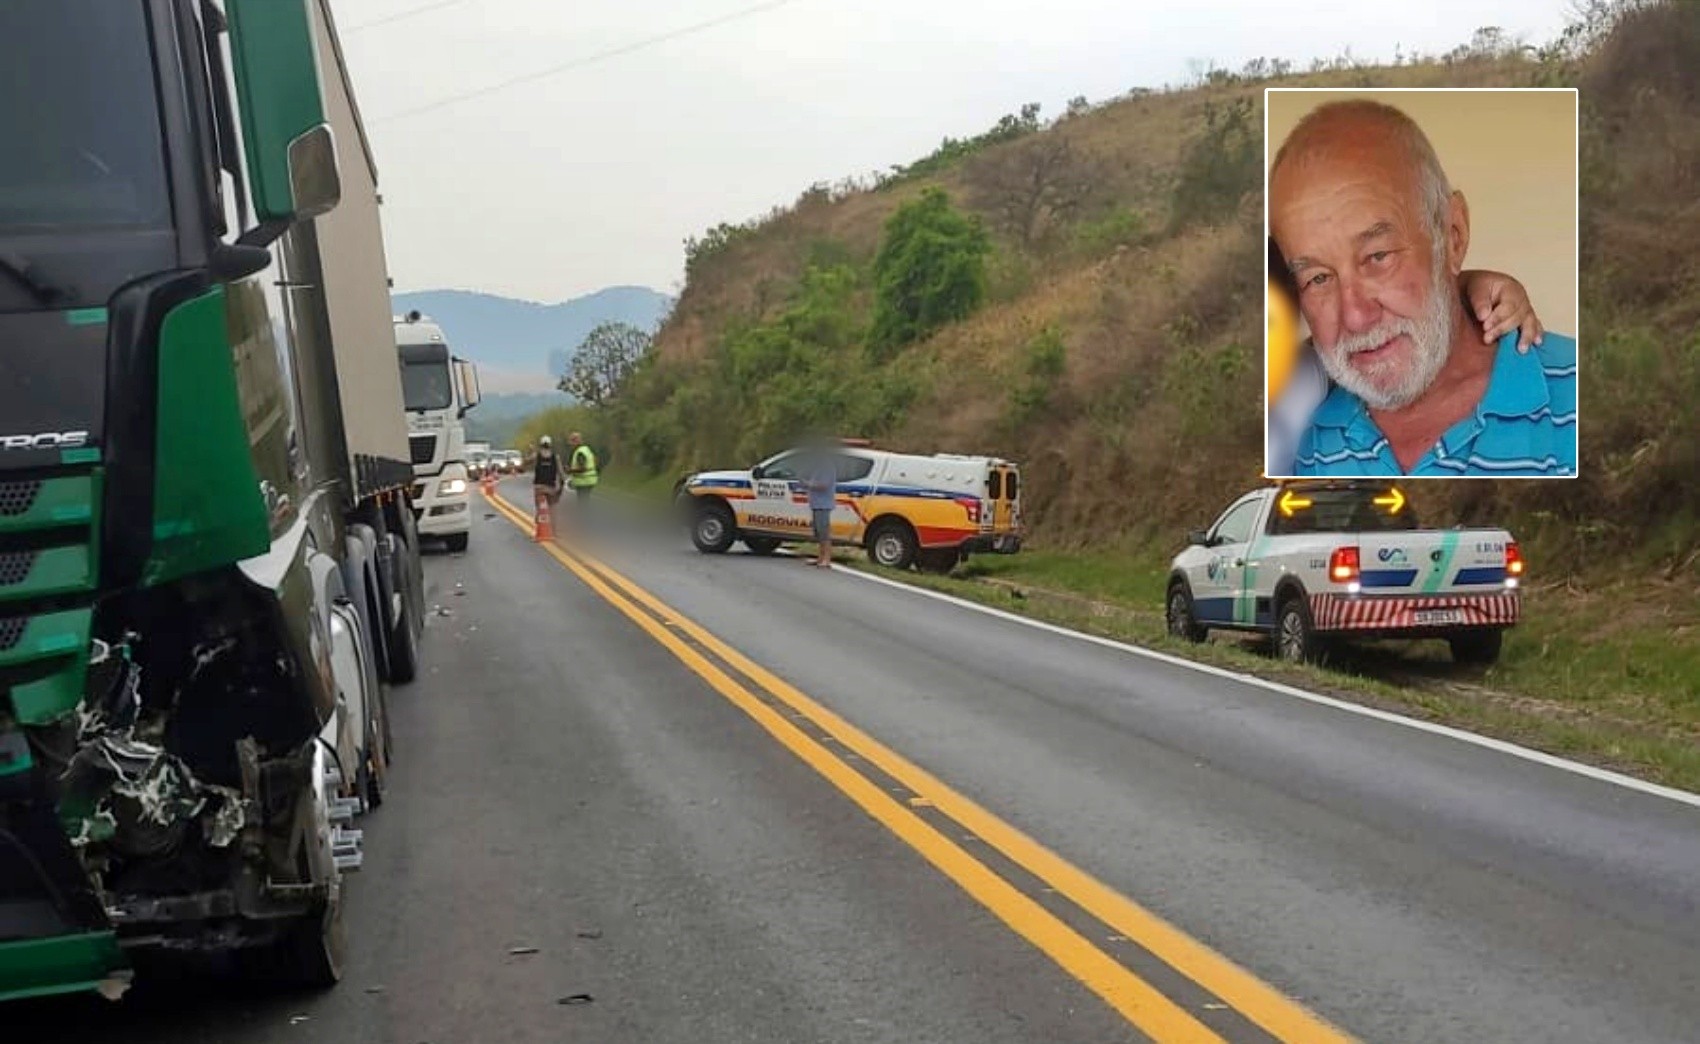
520, 346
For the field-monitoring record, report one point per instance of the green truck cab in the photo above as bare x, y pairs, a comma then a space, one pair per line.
209, 569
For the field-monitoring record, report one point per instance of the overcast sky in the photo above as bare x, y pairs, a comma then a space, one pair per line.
593, 176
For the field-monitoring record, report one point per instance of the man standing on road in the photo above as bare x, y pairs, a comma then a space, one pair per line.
546, 473
581, 469
822, 484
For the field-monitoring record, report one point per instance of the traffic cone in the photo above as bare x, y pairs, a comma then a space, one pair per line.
544, 526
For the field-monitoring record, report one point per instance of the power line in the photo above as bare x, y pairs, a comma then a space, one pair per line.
399, 15
590, 59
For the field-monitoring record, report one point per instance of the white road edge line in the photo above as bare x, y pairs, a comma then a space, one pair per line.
1539, 757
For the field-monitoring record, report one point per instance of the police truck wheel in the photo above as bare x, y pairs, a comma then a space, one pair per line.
713, 529
1182, 623
892, 545
1479, 648
1295, 634
761, 545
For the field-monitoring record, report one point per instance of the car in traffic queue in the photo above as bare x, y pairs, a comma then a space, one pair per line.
1311, 562
904, 509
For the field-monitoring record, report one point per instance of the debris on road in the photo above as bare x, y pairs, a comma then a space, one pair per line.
576, 998
590, 933
521, 951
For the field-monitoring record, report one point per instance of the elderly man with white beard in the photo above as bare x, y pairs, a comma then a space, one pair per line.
1375, 238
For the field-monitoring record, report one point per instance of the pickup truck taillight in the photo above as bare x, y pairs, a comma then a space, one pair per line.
1343, 564
1513, 559
1513, 562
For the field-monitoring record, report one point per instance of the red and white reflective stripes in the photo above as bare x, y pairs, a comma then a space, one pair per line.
1333, 612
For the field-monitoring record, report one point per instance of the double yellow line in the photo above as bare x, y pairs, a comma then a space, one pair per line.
1153, 1013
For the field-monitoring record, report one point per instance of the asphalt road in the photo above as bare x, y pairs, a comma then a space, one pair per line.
670, 847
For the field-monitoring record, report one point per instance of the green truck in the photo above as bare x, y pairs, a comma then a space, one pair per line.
209, 567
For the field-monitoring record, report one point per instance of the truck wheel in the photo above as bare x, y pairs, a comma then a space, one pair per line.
892, 544
762, 545
940, 561
713, 529
311, 951
457, 541
404, 634
1478, 648
1182, 623
1295, 633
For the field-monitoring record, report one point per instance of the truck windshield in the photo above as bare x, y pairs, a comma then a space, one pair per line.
426, 385
1340, 511
80, 142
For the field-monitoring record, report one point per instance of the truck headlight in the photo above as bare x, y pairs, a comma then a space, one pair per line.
451, 487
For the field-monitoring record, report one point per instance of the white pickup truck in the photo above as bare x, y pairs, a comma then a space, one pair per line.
1309, 562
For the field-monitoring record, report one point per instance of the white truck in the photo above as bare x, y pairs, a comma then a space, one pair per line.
439, 387
1311, 562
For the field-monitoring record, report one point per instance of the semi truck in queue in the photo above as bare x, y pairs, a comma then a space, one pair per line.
209, 563
439, 388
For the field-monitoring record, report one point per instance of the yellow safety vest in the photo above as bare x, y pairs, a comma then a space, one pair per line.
583, 457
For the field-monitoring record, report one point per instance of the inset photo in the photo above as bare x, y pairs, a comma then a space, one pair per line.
1422, 287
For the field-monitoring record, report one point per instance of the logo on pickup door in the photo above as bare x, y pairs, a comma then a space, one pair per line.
1392, 555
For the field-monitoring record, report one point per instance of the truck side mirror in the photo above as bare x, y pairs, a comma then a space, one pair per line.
1198, 538
291, 151
756, 472
467, 374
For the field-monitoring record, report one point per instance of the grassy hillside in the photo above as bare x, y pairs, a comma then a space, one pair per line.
1117, 348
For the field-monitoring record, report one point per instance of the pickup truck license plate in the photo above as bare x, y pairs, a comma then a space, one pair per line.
1438, 616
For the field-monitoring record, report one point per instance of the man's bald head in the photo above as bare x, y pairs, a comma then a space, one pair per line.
1366, 131
1373, 234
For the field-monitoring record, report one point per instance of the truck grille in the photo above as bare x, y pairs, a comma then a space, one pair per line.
15, 567
11, 630
423, 448
17, 497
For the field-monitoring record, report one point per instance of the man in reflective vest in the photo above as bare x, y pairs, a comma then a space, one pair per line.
581, 468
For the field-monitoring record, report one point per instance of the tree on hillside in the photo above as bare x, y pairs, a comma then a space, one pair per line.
603, 362
1031, 187
1220, 165
930, 270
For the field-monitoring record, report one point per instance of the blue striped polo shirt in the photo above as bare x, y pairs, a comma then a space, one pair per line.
1524, 426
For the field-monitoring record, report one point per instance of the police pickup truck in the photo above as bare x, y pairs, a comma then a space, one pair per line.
1311, 562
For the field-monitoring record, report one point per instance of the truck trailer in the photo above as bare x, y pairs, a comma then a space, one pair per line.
209, 566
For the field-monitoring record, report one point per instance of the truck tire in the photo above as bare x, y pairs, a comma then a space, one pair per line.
457, 542
404, 632
1295, 633
310, 951
1477, 648
361, 581
1183, 621
762, 545
371, 588
892, 544
713, 529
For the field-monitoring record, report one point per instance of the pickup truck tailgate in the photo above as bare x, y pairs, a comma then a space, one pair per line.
1433, 562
